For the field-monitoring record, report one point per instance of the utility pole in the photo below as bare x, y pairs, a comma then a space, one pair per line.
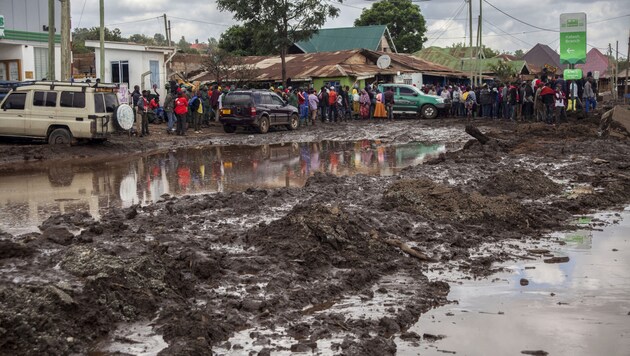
471, 42
481, 54
609, 54
101, 9
168, 40
51, 40
616, 92
625, 90
66, 50
170, 35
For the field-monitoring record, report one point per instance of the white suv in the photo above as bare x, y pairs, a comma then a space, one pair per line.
63, 112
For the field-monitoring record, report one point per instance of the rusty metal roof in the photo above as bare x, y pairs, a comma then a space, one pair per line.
355, 63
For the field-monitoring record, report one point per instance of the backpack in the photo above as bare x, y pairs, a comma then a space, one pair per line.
194, 103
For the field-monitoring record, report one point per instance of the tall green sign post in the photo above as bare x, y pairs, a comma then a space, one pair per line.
573, 38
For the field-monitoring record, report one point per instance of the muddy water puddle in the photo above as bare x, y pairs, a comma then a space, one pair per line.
28, 198
581, 307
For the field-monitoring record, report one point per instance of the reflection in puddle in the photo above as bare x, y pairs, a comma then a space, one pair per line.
575, 308
26, 199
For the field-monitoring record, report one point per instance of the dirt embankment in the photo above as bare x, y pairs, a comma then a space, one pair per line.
287, 260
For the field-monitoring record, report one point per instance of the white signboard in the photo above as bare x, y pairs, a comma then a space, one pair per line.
123, 93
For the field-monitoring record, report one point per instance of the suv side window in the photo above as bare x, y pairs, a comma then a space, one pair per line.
257, 100
105, 102
276, 100
45, 98
72, 99
15, 101
406, 91
266, 99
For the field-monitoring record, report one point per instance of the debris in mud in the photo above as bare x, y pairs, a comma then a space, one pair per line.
432, 338
524, 281
616, 122
563, 259
535, 352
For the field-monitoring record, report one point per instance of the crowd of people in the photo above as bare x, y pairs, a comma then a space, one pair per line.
546, 99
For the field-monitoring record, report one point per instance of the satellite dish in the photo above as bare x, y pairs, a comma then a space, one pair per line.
383, 61
124, 116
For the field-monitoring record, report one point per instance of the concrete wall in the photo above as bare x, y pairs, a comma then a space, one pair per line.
28, 15
25, 54
138, 64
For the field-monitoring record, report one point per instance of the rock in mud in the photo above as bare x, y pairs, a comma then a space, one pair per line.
58, 234
519, 183
441, 202
524, 281
10, 249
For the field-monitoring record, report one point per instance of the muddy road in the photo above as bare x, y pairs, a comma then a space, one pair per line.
337, 266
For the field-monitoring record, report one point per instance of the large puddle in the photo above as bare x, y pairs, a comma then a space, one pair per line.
581, 307
28, 198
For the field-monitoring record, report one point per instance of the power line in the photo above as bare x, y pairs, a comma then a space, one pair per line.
610, 19
204, 22
135, 21
448, 23
521, 21
498, 28
81, 16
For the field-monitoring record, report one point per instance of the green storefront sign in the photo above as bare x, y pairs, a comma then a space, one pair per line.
573, 38
572, 74
1, 26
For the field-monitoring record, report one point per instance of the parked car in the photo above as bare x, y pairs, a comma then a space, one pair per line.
409, 100
258, 109
63, 112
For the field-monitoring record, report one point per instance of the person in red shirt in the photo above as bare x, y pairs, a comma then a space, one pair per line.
332, 105
181, 109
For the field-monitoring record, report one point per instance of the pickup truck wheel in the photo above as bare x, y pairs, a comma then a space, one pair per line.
264, 125
429, 111
294, 122
60, 137
229, 128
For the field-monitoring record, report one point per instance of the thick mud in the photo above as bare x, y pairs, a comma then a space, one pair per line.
337, 266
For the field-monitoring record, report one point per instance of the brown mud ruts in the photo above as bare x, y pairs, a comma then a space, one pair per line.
206, 267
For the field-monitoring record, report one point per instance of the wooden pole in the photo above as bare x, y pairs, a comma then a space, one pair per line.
101, 9
51, 40
471, 42
168, 39
66, 50
625, 90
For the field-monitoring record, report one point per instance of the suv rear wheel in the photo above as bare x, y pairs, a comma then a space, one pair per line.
294, 122
264, 125
60, 137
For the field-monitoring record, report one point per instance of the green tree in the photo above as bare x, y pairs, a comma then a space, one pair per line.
159, 39
143, 39
403, 19
519, 53
80, 35
290, 20
504, 71
246, 40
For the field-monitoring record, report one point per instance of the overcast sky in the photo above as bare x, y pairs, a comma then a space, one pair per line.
446, 20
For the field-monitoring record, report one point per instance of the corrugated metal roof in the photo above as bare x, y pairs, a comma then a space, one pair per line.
442, 57
345, 38
354, 63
